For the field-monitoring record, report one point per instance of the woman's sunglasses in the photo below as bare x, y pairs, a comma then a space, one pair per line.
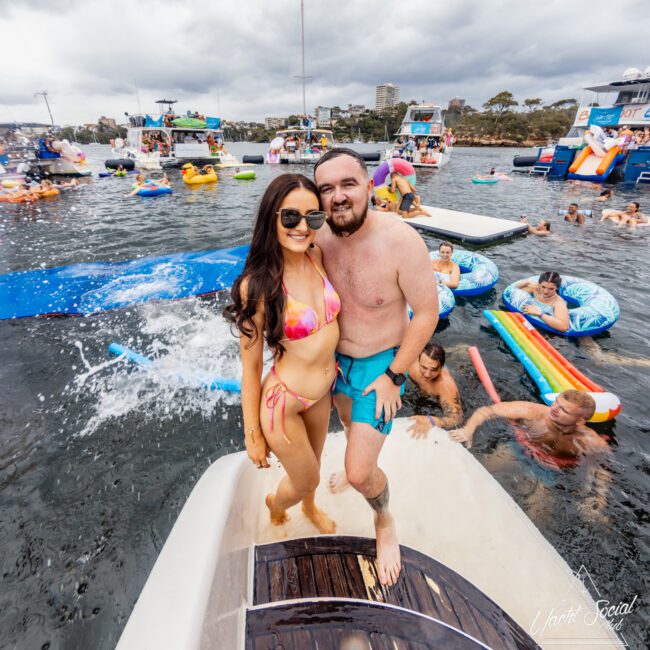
290, 218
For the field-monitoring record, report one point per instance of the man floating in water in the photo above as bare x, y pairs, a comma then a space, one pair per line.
559, 430
435, 380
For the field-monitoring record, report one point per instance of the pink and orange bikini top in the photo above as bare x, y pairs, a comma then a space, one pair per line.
300, 320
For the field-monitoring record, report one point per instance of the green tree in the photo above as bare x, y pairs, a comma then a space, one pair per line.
499, 104
565, 103
532, 104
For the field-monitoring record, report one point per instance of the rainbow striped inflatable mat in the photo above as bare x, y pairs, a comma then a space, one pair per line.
551, 372
91, 288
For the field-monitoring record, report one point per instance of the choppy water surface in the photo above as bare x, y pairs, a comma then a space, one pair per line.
97, 458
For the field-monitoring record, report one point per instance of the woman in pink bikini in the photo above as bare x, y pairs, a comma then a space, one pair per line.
284, 297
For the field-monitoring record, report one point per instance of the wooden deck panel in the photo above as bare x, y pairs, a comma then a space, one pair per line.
326, 624
344, 567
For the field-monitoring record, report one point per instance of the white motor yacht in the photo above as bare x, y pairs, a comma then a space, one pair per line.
422, 138
168, 139
607, 141
476, 573
299, 144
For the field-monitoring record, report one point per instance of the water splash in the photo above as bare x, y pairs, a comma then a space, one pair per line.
189, 344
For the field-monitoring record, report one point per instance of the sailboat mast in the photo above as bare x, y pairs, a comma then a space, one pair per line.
302, 32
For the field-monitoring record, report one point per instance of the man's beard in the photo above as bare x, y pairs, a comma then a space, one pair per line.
349, 228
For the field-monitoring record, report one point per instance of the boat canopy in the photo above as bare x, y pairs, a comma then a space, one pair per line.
633, 85
425, 119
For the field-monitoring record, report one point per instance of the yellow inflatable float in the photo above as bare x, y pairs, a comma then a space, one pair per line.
383, 192
193, 176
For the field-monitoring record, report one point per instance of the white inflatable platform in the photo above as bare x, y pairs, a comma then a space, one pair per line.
466, 227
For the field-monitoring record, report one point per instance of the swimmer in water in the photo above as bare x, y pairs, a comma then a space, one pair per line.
546, 304
140, 182
542, 228
573, 215
434, 380
630, 215
560, 429
558, 432
446, 270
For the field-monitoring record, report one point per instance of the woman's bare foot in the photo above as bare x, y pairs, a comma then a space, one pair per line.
338, 482
317, 517
278, 517
389, 564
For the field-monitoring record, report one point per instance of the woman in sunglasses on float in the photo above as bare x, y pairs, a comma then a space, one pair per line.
283, 297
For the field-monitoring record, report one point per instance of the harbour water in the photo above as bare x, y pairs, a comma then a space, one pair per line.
97, 458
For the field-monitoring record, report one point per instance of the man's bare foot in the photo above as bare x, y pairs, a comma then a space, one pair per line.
389, 564
317, 517
338, 482
278, 517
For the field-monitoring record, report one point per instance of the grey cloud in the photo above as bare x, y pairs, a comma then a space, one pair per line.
250, 51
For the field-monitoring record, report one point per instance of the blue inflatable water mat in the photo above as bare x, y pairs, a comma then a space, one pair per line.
95, 287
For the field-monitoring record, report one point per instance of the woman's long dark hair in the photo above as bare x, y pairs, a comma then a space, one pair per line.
264, 268
552, 277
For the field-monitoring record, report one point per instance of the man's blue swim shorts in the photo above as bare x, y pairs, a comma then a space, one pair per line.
354, 375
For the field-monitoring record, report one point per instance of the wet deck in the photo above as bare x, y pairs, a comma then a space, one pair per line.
430, 605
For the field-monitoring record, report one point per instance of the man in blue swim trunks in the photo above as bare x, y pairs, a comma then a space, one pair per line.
377, 264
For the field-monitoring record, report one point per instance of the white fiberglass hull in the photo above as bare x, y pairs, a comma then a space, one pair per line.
63, 167
446, 505
436, 161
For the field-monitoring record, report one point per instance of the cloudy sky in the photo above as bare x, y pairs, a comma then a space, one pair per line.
241, 57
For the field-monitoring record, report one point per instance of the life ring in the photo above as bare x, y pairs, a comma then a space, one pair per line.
478, 274
399, 165
163, 147
154, 190
592, 309
48, 193
446, 302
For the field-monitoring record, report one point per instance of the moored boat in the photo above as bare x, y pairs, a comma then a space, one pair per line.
300, 144
422, 138
608, 140
168, 139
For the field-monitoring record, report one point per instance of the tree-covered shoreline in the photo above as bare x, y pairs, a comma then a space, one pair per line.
503, 121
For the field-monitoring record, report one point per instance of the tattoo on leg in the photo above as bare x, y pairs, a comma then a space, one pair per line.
380, 503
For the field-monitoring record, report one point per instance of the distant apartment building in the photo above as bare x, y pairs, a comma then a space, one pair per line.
323, 116
386, 96
275, 122
106, 123
456, 104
